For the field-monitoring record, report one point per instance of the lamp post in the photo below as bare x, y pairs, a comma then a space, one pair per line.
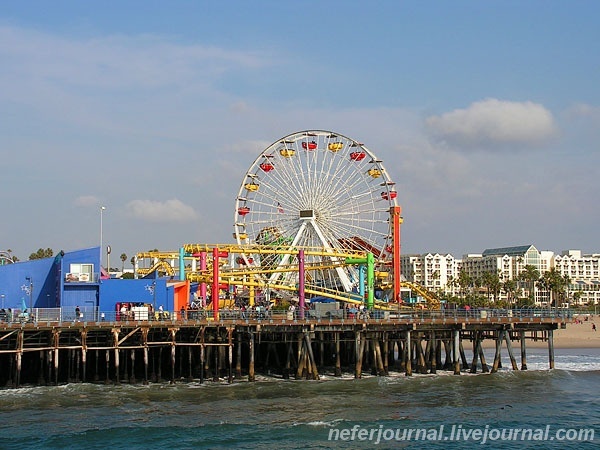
30, 280
102, 208
2, 300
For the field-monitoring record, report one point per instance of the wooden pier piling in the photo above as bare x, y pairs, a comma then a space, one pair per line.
55, 353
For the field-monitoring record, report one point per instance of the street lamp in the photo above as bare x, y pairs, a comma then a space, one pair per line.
102, 208
30, 280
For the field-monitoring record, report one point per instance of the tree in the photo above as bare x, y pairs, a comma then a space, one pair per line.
489, 283
510, 287
464, 281
41, 253
123, 258
529, 277
555, 284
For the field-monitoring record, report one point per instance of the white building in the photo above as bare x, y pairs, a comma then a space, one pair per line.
583, 272
435, 271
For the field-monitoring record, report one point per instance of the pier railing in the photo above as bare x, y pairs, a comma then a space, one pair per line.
260, 314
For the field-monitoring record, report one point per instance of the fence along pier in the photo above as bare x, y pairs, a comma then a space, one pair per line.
235, 348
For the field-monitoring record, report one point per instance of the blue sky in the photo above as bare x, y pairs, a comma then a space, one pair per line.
486, 114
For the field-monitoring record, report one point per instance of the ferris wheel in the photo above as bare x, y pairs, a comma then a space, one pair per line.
316, 189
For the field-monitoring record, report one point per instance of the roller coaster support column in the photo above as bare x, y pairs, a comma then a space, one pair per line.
301, 275
203, 284
181, 265
395, 215
370, 261
215, 282
361, 280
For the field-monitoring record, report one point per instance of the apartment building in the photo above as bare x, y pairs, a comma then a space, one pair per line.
583, 272
435, 271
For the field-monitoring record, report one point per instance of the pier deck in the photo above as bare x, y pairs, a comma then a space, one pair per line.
50, 352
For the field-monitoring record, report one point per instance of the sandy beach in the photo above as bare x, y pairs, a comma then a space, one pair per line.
576, 335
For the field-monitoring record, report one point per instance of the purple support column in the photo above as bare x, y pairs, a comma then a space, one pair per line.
215, 284
301, 275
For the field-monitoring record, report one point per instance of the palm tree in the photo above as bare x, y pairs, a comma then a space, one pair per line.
555, 284
530, 276
123, 258
464, 281
510, 288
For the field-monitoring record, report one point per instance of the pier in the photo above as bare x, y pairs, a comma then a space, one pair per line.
282, 345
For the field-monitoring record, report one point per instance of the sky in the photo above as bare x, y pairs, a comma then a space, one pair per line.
486, 114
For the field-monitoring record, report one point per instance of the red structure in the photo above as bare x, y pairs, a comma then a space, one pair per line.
396, 218
215, 282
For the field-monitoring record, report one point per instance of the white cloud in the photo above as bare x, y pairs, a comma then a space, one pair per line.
583, 110
86, 200
170, 211
493, 122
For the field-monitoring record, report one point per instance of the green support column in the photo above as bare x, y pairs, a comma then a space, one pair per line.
370, 261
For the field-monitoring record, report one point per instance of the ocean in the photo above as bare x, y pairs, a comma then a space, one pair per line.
537, 408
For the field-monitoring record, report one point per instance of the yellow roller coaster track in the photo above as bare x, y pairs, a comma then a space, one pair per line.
250, 276
276, 250
432, 301
161, 266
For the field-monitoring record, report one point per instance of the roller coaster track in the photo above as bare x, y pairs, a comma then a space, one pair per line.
160, 266
258, 276
270, 249
432, 301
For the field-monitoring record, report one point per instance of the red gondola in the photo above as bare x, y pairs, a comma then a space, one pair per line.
241, 261
386, 196
243, 210
312, 145
357, 156
267, 166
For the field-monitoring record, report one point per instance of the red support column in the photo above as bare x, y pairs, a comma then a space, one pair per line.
215, 282
396, 218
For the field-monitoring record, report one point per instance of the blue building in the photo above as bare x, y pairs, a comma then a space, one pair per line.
52, 288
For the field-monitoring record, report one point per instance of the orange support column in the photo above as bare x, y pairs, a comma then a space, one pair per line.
396, 218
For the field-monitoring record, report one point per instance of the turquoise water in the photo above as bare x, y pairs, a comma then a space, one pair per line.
287, 414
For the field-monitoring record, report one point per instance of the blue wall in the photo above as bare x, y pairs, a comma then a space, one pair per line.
46, 277
50, 290
33, 282
145, 291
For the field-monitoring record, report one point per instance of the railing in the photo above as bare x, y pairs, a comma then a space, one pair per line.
262, 314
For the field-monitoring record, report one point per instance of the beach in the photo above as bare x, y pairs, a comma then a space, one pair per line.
577, 334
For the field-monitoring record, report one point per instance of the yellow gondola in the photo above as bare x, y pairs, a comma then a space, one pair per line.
335, 146
251, 187
287, 153
375, 173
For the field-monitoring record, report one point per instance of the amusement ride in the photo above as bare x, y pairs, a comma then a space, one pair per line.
316, 215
